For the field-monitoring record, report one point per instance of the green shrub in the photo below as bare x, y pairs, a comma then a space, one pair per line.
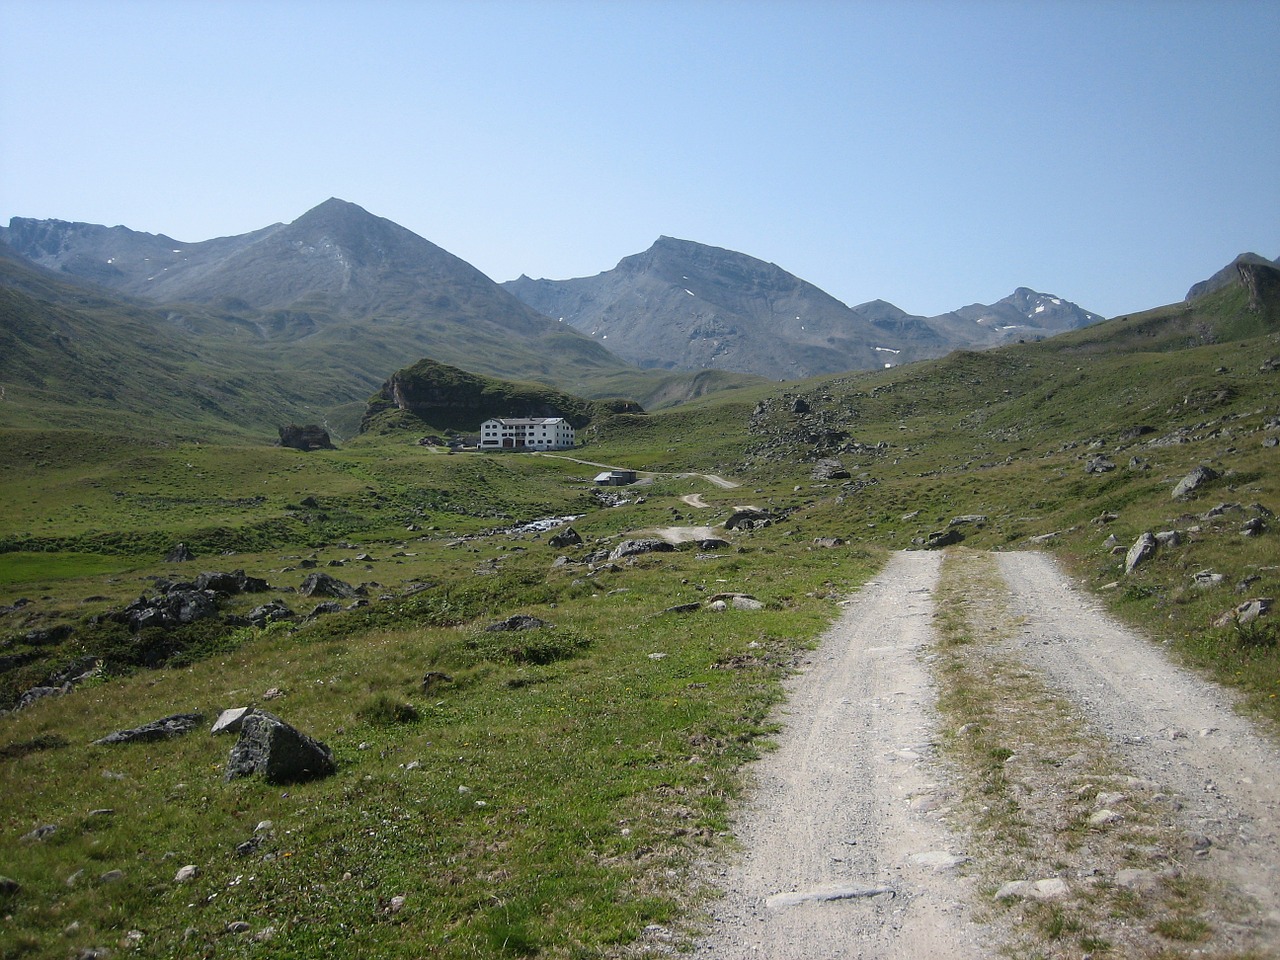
382, 710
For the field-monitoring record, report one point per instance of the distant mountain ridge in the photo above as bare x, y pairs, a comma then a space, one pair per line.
682, 305
343, 289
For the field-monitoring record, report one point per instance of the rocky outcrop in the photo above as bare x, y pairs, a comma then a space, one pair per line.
305, 438
1262, 282
280, 753
632, 548
449, 398
166, 728
748, 519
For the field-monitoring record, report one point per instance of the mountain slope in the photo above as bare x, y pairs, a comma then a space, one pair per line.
686, 306
335, 272
1227, 274
683, 305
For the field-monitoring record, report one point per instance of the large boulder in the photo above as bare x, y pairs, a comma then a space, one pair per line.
177, 607
231, 583
568, 537
323, 585
305, 438
1142, 550
282, 754
747, 518
1193, 481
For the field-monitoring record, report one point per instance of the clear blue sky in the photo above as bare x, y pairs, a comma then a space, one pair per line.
932, 154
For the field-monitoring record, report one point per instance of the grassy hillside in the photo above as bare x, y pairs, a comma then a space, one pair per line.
551, 797
75, 357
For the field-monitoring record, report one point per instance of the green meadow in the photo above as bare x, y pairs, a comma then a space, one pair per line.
555, 791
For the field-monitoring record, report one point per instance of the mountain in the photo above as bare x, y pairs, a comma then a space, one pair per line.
687, 306
1227, 274
1024, 314
330, 305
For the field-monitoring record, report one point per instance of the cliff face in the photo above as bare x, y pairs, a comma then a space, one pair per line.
1262, 281
447, 398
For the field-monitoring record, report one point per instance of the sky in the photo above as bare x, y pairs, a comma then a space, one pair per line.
932, 154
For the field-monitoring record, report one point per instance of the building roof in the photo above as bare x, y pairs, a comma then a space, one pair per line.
525, 421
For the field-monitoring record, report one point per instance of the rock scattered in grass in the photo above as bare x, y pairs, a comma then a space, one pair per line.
40, 833
1143, 549
282, 754
230, 721
189, 872
1193, 481
166, 728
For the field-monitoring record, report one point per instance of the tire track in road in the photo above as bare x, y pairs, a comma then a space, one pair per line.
841, 858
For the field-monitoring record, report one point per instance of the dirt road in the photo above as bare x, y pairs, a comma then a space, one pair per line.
853, 846
832, 812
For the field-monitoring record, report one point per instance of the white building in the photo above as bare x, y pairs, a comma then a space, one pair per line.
526, 433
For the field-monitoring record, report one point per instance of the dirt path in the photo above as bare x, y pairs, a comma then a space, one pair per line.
1166, 724
833, 822
847, 850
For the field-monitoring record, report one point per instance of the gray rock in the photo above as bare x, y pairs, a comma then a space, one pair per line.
1141, 881
282, 754
231, 583
230, 721
825, 470
323, 585
828, 542
632, 548
692, 607
1051, 888
1099, 465
568, 537
305, 437
748, 520
179, 554
40, 693
1245, 613
941, 539
1168, 538
166, 728
271, 612
9, 887
1193, 481
1143, 549
1206, 578
968, 519
40, 833
1253, 527
189, 872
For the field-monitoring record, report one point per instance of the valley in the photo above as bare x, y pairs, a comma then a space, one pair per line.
554, 745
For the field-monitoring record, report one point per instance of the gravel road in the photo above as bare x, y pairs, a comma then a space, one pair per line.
847, 847
840, 808
1166, 724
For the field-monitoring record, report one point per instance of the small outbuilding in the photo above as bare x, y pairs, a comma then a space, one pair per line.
615, 478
